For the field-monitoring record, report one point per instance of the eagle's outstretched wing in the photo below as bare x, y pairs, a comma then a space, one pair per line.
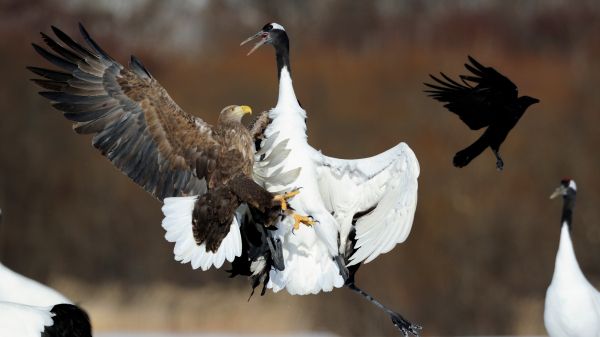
137, 125
475, 105
383, 188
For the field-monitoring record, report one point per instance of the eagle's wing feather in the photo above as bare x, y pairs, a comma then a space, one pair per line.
384, 185
137, 125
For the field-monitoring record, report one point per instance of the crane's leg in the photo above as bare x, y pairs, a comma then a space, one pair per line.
400, 322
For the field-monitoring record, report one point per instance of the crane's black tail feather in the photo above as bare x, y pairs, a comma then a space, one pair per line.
69, 320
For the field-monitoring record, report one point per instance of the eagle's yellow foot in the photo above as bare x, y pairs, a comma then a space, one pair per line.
282, 198
306, 220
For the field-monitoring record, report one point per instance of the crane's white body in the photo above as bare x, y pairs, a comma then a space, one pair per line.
20, 320
25, 305
333, 191
572, 306
17, 288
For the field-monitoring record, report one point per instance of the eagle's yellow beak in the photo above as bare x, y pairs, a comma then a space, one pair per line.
246, 109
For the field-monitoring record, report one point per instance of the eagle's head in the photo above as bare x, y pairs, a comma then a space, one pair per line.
234, 113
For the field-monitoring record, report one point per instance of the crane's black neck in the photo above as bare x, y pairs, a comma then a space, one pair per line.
568, 205
282, 51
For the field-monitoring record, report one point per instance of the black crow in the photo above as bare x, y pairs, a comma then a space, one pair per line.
492, 102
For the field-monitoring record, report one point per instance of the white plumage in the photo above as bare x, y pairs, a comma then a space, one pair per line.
19, 320
333, 191
17, 288
178, 226
25, 305
572, 307
28, 307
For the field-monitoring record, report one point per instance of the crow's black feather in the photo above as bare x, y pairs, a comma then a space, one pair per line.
492, 102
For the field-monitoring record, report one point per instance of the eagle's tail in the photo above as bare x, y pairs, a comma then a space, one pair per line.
178, 224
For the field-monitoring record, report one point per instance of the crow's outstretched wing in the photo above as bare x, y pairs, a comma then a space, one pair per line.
475, 105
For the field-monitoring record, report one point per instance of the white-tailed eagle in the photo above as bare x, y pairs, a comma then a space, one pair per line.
203, 173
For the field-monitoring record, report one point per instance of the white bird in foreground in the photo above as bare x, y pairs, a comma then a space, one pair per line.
363, 207
572, 306
31, 309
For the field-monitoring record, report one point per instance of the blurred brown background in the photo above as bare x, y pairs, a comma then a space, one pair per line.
481, 252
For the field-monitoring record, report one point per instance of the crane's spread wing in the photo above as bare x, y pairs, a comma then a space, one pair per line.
137, 126
475, 105
384, 186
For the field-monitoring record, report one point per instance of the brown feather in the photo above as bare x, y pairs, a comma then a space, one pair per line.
147, 136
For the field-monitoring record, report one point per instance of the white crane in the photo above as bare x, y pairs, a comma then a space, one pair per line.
572, 306
30, 309
362, 207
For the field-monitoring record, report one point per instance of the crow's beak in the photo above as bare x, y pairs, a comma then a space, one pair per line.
264, 39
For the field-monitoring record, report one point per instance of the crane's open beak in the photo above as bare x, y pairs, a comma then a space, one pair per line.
561, 190
264, 39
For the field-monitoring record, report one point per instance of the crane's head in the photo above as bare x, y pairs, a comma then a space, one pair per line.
234, 113
567, 187
272, 33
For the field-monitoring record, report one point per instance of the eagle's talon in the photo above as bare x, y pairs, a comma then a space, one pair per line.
282, 198
306, 220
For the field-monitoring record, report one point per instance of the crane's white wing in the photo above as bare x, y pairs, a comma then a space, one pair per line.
18, 320
384, 185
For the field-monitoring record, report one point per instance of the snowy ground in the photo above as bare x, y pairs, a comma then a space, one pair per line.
166, 334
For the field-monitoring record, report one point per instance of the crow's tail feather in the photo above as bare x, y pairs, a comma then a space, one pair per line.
463, 157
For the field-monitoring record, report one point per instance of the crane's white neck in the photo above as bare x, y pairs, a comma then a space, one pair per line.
287, 96
566, 268
288, 117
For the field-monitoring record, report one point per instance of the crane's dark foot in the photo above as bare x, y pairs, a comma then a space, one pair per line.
405, 326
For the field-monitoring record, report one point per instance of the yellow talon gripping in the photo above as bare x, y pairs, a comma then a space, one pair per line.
282, 198
298, 219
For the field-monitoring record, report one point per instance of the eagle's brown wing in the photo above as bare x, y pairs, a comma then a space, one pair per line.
137, 126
